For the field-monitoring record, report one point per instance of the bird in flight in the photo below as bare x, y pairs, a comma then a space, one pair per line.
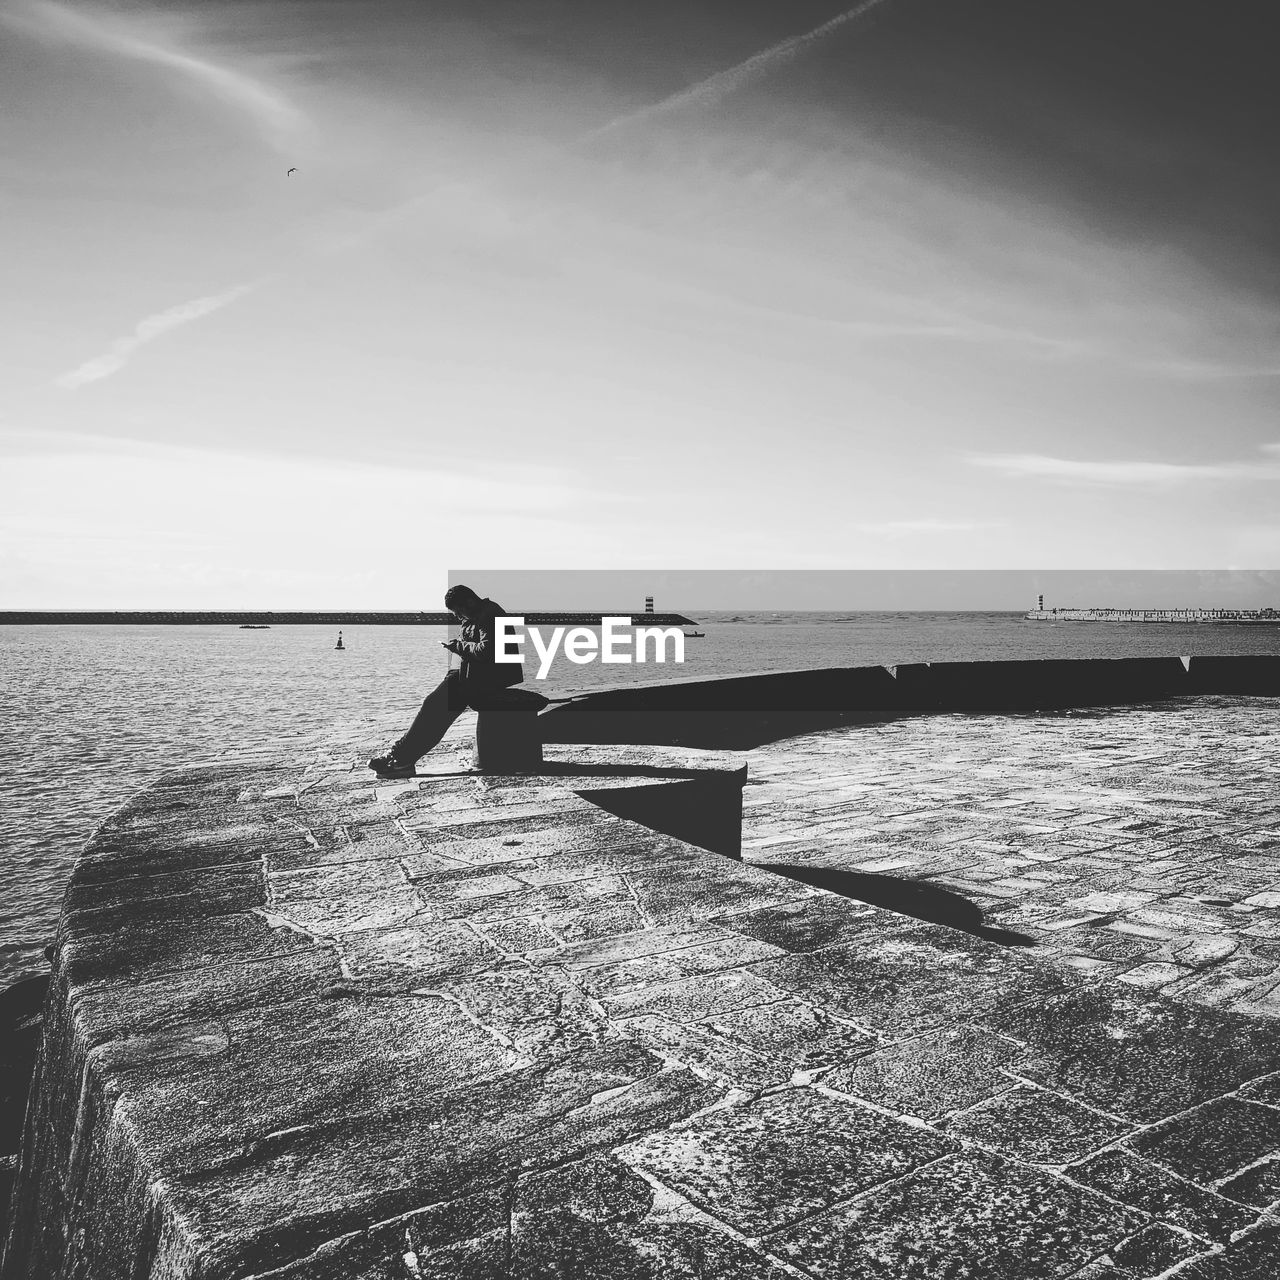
293, 170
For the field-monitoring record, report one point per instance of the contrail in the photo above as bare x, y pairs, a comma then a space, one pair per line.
704, 93
147, 330
711, 90
126, 37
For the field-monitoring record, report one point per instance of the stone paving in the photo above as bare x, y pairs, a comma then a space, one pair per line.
1141, 843
312, 1026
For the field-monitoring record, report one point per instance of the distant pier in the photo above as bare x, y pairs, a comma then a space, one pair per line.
204, 617
1246, 616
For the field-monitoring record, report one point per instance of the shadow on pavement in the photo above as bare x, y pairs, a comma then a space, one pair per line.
703, 810
906, 897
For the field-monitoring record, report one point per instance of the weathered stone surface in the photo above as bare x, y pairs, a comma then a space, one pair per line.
1155, 824
898, 982
965, 1215
133, 951
691, 998
767, 1163
401, 959
484, 1024
930, 1075
1255, 1256
1126, 1053
598, 1220
1037, 1126
718, 951
1126, 1177
684, 893
1155, 1249
214, 992
1212, 1141
1258, 1185
795, 1033
807, 924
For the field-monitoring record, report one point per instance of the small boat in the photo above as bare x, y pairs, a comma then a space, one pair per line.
255, 626
694, 635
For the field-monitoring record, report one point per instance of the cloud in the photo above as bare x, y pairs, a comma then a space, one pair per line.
708, 92
705, 93
1131, 473
122, 523
117, 355
1209, 370
906, 528
129, 36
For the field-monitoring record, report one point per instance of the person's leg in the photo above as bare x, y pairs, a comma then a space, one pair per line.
441, 707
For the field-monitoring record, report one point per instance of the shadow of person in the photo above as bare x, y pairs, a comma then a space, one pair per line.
906, 897
700, 807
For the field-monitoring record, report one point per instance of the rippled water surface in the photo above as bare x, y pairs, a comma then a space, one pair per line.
92, 713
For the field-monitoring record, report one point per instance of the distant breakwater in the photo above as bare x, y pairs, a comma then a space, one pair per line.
205, 617
1246, 616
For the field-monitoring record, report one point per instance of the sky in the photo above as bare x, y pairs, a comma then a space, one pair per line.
306, 303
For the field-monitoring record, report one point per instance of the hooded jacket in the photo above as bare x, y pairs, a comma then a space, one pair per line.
480, 673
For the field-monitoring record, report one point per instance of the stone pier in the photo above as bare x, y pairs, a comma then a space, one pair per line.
985, 996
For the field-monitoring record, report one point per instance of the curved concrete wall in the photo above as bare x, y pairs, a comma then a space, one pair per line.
747, 711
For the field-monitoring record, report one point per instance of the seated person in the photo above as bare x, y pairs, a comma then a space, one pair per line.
479, 679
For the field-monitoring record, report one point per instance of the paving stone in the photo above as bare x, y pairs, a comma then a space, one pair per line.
350, 913
539, 1012
1155, 1249
769, 1162
1034, 1125
1202, 952
1213, 1140
1133, 843
1253, 1257
1266, 1089
1259, 1185
1128, 1178
802, 1037
930, 1075
1153, 975
599, 1219
1125, 1053
93, 961
697, 996
725, 952
807, 924
683, 894
965, 1215
708, 1052
405, 958
217, 993
898, 984
518, 937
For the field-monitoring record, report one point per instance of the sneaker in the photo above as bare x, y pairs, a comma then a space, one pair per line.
389, 767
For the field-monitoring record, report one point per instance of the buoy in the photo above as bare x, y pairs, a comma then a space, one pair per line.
339, 645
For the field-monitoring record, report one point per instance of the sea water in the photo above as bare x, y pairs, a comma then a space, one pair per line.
93, 713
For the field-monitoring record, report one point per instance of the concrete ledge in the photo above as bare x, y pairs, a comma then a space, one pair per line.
1247, 675
742, 712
